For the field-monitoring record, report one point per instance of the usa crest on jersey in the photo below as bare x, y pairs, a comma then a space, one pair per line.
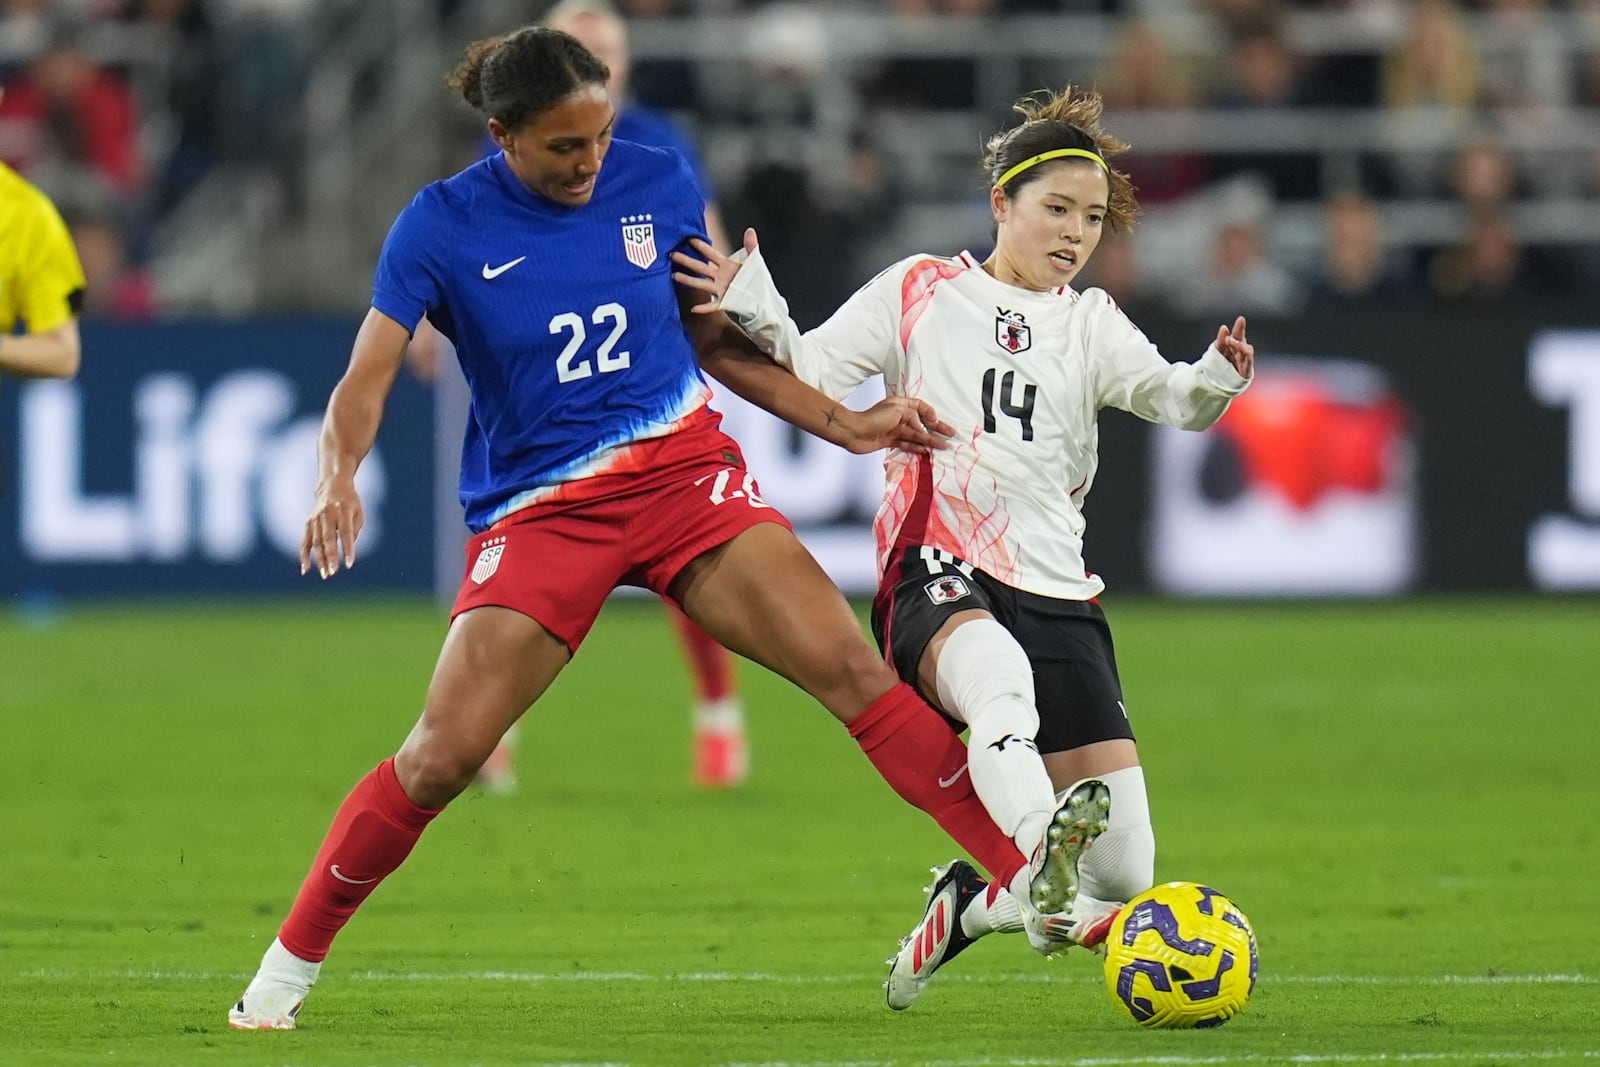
1011, 331
639, 240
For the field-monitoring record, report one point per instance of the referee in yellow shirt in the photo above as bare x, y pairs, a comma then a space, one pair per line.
41, 284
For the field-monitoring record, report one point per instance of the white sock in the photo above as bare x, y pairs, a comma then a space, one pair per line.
722, 716
1122, 861
280, 963
984, 678
1003, 916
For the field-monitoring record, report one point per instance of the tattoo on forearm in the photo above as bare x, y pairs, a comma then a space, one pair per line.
829, 415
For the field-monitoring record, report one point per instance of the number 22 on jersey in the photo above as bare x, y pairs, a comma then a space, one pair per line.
573, 364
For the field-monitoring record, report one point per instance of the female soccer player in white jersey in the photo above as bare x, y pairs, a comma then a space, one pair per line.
591, 461
984, 601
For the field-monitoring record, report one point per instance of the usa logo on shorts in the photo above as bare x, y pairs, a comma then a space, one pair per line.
946, 588
639, 240
488, 560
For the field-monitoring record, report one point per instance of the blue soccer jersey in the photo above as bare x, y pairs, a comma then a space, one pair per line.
565, 319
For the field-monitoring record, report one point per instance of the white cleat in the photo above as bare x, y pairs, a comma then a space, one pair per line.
1091, 921
937, 938
274, 996
1049, 935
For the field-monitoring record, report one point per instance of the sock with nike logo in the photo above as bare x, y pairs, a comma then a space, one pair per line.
918, 754
372, 834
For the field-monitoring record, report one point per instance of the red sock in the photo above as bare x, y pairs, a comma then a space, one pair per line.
712, 664
371, 835
925, 762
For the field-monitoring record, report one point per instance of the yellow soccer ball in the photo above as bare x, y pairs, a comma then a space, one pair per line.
1180, 955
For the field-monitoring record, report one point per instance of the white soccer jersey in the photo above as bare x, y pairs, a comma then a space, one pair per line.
1021, 375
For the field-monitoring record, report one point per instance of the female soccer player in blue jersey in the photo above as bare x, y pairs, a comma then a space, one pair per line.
591, 461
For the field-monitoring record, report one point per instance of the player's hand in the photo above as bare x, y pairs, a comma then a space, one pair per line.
335, 523
1235, 349
711, 275
903, 422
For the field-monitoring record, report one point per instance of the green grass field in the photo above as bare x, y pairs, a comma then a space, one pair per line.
1403, 798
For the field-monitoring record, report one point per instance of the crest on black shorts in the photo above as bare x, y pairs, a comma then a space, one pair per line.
1011, 331
946, 588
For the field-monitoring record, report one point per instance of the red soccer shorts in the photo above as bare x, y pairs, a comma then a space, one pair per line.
557, 560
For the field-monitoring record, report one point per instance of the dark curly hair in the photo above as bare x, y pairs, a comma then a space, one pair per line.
516, 77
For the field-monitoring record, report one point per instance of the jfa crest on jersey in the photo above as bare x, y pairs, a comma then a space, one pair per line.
1011, 331
639, 240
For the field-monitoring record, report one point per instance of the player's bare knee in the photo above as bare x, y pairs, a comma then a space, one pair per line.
854, 676
434, 772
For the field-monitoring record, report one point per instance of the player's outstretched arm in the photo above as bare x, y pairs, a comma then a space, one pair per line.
732, 358
349, 428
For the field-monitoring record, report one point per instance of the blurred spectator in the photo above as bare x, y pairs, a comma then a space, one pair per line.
260, 48
1482, 176
1526, 65
1063, 7
1586, 71
1264, 77
1143, 74
1356, 265
24, 32
1116, 269
798, 231
1436, 64
1486, 265
1430, 88
193, 83
1236, 272
117, 290
65, 113
1237, 14
935, 80
651, 9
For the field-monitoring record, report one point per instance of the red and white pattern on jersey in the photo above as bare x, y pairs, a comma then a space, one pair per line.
944, 506
594, 479
923, 506
916, 289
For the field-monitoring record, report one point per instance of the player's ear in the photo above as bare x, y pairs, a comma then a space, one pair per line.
500, 135
997, 203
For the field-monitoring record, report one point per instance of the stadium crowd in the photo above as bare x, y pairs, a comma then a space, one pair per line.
1289, 151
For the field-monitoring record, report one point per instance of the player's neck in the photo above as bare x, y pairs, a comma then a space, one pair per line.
997, 267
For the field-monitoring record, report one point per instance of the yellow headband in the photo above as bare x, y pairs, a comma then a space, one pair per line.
1057, 153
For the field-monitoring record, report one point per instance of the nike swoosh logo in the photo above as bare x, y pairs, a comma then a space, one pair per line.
495, 272
334, 870
946, 783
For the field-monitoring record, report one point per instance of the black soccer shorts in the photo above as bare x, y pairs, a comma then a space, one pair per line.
1076, 686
